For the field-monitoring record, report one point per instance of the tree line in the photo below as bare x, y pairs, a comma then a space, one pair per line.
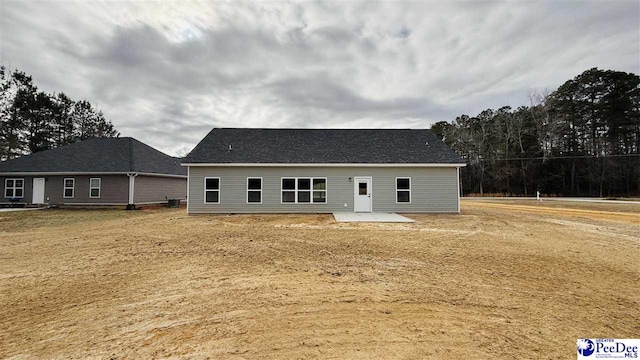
32, 120
583, 139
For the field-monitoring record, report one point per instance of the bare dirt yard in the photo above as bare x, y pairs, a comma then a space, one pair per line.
499, 280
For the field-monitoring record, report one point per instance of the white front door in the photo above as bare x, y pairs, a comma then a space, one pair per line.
362, 193
38, 191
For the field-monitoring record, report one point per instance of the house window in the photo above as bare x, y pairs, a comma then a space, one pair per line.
94, 187
320, 190
212, 190
403, 190
304, 190
69, 185
14, 188
289, 190
254, 190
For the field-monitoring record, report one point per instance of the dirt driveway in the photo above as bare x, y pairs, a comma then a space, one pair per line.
497, 281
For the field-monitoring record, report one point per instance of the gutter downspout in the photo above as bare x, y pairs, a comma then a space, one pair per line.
459, 186
132, 187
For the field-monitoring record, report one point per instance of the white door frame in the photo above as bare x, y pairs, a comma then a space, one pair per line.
369, 195
34, 193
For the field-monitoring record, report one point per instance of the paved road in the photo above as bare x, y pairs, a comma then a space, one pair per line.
17, 209
575, 199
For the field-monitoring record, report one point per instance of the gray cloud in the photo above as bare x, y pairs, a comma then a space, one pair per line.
320, 92
166, 73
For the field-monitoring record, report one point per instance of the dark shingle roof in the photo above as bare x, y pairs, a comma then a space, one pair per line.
322, 146
119, 155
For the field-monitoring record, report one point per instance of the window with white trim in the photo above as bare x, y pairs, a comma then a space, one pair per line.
94, 187
254, 190
212, 190
403, 190
13, 188
69, 188
320, 190
304, 190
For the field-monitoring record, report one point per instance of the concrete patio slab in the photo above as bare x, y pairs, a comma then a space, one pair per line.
344, 216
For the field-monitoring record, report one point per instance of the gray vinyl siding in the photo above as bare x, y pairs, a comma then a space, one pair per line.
114, 189
159, 189
433, 189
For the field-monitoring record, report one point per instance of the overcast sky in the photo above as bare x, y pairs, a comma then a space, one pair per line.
167, 72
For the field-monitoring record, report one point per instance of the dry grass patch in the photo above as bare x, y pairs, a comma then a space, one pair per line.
21, 221
558, 204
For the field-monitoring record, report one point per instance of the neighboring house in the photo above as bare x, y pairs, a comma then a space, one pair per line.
319, 171
114, 171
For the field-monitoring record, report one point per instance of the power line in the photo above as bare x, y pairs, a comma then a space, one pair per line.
566, 157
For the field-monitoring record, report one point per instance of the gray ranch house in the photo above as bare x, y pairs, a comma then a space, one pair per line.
114, 171
322, 171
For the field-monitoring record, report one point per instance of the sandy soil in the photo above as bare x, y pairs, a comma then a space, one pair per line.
497, 281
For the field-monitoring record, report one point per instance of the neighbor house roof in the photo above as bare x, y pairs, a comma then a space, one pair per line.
322, 146
111, 155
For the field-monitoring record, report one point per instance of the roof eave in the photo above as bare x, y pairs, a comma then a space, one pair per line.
456, 165
80, 173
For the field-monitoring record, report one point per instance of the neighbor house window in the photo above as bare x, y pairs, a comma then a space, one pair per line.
14, 188
403, 190
212, 190
304, 190
69, 184
94, 187
254, 190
